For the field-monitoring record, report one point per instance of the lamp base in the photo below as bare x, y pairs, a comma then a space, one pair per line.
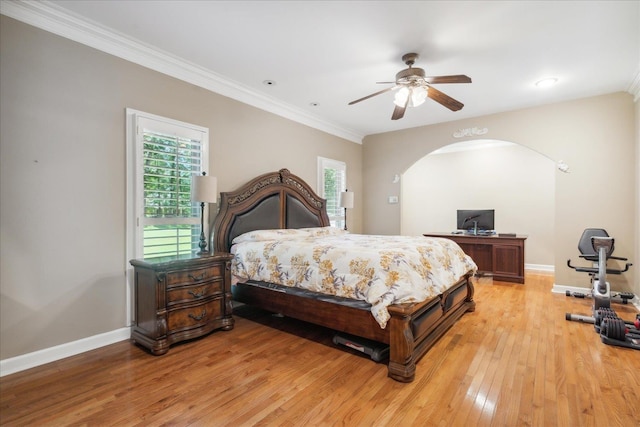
203, 245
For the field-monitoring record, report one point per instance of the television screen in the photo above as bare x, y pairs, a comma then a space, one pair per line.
476, 219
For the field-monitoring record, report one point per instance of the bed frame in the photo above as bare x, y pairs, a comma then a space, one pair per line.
282, 200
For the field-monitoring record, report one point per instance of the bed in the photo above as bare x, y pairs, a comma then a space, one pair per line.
282, 201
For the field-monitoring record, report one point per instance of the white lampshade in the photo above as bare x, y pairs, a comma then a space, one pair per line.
204, 189
346, 199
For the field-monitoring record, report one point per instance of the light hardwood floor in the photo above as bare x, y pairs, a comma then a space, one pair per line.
515, 361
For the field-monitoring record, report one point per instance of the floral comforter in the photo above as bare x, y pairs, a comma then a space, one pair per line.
381, 270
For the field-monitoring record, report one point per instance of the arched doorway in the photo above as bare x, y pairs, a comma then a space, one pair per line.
517, 182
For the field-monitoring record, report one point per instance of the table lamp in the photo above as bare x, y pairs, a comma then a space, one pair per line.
346, 202
204, 189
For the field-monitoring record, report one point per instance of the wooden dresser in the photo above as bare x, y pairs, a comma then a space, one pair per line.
180, 298
498, 255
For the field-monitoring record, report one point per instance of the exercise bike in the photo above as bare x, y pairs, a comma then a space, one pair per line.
589, 253
612, 329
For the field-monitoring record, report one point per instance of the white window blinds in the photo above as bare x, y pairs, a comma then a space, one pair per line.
170, 220
332, 180
169, 161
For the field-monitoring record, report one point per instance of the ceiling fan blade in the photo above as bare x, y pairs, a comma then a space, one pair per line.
458, 78
374, 94
444, 99
398, 112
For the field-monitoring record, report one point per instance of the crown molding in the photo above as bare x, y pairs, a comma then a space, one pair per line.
634, 87
50, 17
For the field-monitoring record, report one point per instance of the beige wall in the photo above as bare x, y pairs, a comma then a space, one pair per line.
595, 136
62, 174
518, 183
62, 177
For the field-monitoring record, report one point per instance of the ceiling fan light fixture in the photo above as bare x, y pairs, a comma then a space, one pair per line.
401, 97
416, 95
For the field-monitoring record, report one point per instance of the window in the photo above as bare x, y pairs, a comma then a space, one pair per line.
162, 156
332, 180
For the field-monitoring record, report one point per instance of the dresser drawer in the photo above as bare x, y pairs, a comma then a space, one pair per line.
196, 275
194, 316
190, 293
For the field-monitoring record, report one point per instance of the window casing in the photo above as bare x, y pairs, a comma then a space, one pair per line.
332, 180
162, 155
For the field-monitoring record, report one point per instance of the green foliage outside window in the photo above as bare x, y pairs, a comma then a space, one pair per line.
333, 186
168, 164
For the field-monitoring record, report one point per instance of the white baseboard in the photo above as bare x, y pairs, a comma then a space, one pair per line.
561, 289
51, 354
540, 268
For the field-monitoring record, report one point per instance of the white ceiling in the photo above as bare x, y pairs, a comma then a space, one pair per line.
332, 52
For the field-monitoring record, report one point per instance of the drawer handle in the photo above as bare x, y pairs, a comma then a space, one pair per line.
196, 278
199, 293
198, 318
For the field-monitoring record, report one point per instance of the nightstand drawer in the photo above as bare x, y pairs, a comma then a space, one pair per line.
192, 317
185, 294
196, 275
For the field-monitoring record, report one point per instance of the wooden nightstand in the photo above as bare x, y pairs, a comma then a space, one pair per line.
180, 298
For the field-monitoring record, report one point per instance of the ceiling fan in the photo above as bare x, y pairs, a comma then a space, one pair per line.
413, 88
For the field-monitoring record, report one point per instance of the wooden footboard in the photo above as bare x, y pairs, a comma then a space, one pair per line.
415, 328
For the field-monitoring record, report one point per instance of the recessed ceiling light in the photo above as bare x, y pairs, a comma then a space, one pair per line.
546, 82
269, 83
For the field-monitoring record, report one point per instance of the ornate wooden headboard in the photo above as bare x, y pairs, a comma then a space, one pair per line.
271, 201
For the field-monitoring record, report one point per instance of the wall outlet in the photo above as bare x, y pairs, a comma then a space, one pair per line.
393, 199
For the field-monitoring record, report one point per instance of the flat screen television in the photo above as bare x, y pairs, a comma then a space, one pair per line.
476, 221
